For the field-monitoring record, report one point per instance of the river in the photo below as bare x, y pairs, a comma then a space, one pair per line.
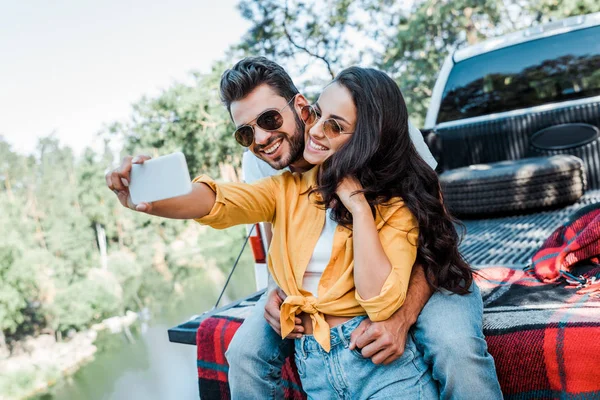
151, 367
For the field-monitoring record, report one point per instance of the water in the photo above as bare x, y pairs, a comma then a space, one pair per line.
151, 367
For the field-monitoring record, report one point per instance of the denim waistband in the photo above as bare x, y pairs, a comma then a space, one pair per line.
339, 334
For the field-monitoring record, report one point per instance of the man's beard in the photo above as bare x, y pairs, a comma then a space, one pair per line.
296, 143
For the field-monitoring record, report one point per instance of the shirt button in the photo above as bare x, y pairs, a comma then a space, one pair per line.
335, 258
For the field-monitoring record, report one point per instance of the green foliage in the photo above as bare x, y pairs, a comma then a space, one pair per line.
84, 302
57, 212
409, 43
555, 9
18, 384
187, 118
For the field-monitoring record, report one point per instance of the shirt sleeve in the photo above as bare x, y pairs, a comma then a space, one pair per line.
240, 203
399, 238
417, 138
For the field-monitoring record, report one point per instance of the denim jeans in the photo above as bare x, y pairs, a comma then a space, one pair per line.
255, 356
346, 375
448, 332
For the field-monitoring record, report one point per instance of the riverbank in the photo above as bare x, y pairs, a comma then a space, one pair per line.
36, 364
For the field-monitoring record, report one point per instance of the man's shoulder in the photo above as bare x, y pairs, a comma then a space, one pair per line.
254, 168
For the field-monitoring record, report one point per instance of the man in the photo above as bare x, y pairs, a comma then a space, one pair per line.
446, 326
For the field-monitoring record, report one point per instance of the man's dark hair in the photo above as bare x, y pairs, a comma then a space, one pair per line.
251, 72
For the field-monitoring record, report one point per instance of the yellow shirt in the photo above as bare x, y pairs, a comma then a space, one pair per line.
297, 224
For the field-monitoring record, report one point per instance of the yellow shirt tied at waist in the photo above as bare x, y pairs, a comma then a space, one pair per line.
283, 200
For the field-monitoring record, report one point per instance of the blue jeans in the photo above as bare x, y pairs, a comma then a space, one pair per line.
346, 374
255, 356
448, 332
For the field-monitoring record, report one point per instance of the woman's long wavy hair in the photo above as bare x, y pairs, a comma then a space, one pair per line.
381, 155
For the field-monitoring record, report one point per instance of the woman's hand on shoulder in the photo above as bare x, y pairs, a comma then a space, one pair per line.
354, 202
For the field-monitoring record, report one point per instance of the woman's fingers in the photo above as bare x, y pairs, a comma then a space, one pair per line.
108, 179
124, 170
119, 179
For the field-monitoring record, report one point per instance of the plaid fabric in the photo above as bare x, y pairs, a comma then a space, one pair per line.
545, 338
213, 337
576, 240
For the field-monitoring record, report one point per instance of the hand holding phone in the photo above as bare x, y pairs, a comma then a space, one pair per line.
140, 180
159, 179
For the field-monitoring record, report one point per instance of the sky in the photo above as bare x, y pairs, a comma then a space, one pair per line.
71, 67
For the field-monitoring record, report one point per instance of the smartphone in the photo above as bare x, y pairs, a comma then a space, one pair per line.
160, 178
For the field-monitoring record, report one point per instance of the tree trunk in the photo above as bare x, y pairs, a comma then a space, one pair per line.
102, 245
8, 187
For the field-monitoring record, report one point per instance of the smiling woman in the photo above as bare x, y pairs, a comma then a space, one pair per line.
328, 128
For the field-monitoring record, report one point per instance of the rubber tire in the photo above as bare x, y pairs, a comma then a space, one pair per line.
589, 153
507, 187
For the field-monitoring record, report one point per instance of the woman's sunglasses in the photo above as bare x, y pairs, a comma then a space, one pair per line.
269, 120
331, 128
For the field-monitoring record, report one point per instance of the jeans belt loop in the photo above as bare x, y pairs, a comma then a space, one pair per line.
303, 346
340, 332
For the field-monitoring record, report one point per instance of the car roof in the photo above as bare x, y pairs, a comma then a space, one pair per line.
525, 35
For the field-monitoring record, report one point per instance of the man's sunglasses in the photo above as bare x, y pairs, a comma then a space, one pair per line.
269, 120
331, 128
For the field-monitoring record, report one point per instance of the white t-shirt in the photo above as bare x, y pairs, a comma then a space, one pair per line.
320, 257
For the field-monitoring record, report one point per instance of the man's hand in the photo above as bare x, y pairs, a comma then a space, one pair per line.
273, 311
118, 180
383, 342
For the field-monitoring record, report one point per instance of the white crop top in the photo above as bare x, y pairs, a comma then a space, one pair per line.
320, 257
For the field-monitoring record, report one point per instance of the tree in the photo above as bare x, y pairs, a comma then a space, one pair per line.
408, 42
187, 118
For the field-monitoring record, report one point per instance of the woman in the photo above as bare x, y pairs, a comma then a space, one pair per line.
346, 234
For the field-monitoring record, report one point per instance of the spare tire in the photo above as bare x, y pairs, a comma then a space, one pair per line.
529, 184
580, 140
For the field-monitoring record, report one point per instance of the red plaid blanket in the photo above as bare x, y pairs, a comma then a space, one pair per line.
545, 338
213, 336
576, 240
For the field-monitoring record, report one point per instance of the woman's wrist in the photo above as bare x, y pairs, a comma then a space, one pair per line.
360, 207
